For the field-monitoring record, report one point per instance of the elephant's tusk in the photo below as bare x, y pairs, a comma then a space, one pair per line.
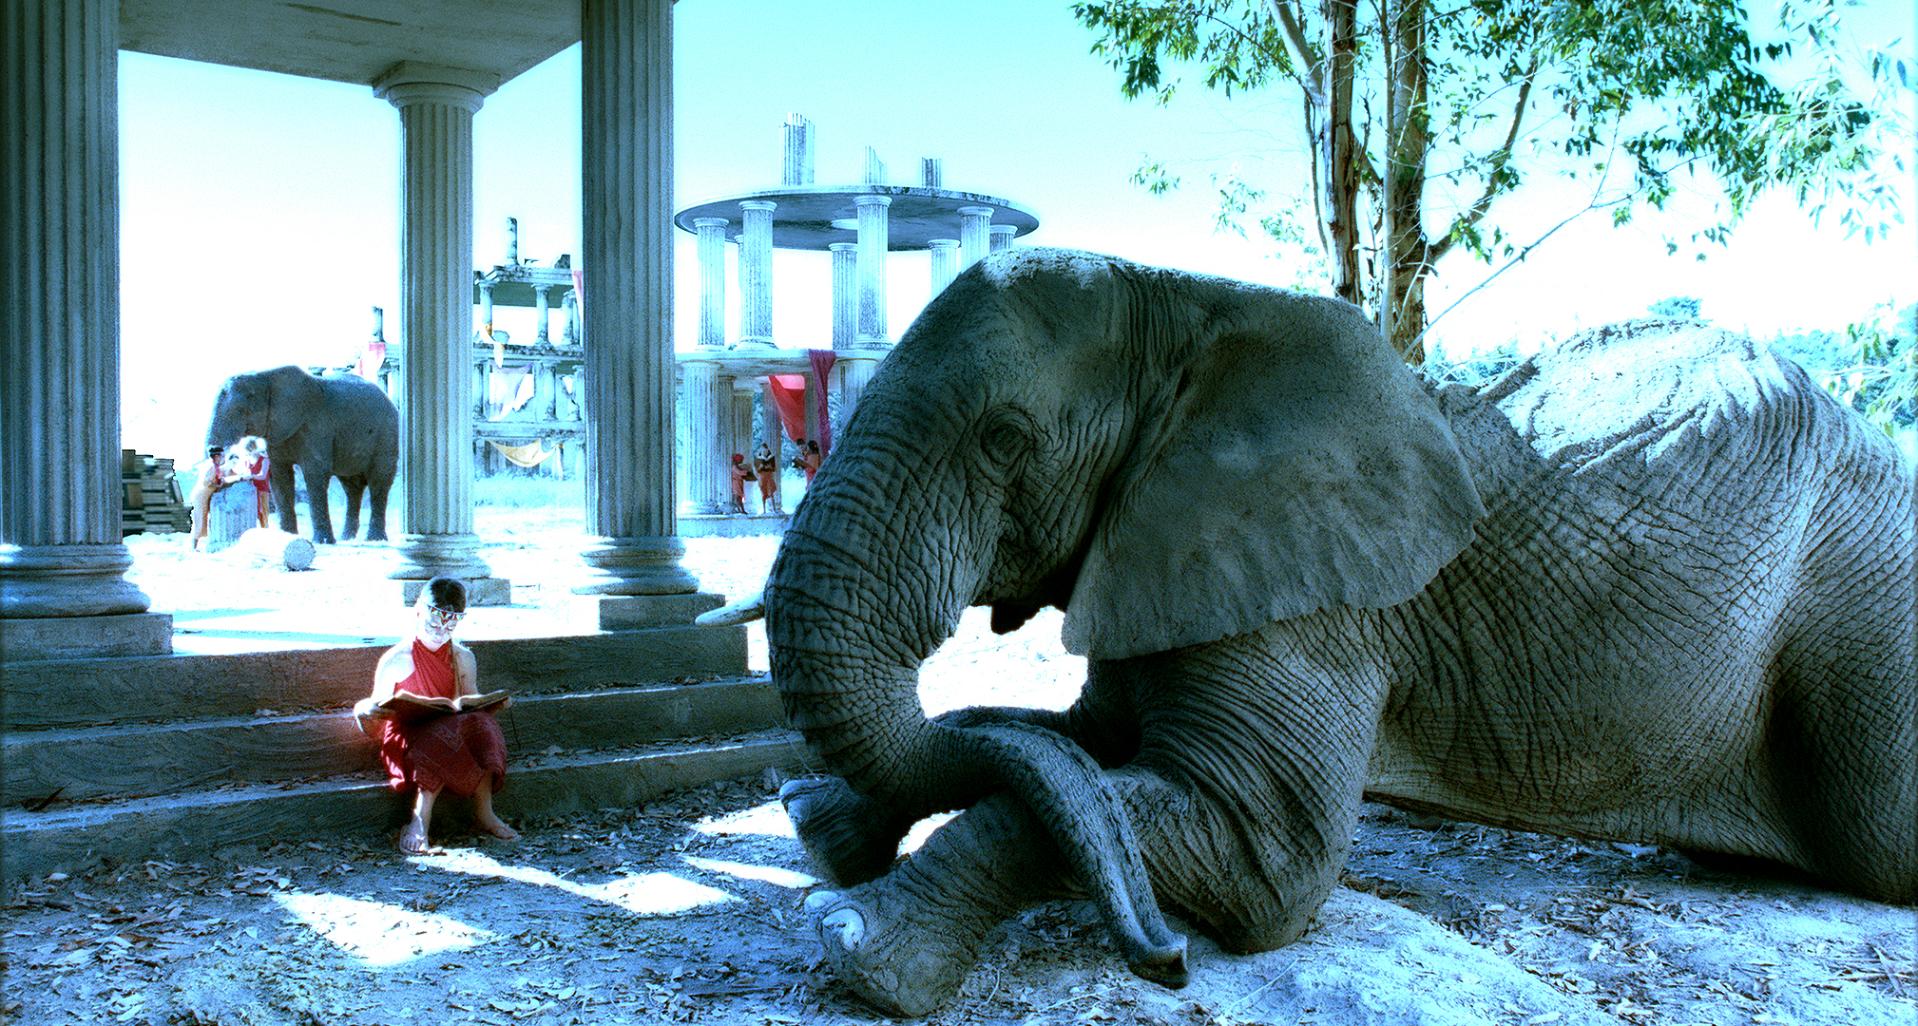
745, 610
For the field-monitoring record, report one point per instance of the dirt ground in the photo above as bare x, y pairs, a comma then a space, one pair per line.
688, 910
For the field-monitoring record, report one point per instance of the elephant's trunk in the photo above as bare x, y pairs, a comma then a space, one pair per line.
847, 637
860, 595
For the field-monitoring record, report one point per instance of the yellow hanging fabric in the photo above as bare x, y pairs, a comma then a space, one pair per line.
532, 454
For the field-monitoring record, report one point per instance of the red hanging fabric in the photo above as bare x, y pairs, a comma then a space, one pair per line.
822, 361
788, 392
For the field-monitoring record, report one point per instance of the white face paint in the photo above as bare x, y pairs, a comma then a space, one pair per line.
435, 626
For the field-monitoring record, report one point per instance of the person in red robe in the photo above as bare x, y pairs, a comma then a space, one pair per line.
740, 474
464, 753
254, 470
809, 460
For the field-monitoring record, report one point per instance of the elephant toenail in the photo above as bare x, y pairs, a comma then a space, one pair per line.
847, 925
820, 899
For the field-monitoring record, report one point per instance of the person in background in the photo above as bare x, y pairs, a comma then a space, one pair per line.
810, 459
212, 479
252, 468
465, 752
738, 472
766, 468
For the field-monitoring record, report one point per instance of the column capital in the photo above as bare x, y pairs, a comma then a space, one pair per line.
410, 82
875, 200
758, 205
710, 222
943, 243
975, 211
842, 247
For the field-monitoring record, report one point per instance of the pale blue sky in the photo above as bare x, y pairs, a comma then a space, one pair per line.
260, 212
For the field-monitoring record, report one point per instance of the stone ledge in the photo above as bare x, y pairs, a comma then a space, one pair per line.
634, 612
480, 591
85, 637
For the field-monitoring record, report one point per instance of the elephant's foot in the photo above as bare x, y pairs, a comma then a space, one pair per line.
888, 952
850, 837
374, 534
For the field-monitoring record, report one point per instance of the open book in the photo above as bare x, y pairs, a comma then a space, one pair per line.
405, 705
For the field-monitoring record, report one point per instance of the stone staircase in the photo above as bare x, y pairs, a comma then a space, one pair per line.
137, 757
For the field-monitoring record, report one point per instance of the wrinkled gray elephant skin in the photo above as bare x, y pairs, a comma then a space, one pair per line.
1653, 585
336, 426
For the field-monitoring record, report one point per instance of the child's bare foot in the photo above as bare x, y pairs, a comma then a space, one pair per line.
498, 828
413, 839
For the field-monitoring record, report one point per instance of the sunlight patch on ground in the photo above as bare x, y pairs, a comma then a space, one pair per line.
745, 871
922, 830
643, 894
768, 819
379, 934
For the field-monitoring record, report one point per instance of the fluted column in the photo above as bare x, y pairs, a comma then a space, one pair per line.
486, 310
975, 241
1001, 237
855, 370
740, 426
772, 434
63, 588
542, 309
756, 273
873, 244
626, 87
436, 107
845, 294
712, 280
706, 477
945, 263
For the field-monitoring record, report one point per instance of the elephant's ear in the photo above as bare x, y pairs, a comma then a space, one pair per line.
1295, 465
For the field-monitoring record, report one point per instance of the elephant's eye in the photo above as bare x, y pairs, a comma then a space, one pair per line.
1006, 437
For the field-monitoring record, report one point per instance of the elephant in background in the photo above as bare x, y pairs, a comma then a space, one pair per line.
336, 426
1651, 586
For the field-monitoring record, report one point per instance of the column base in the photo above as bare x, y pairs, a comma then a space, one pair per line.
425, 556
632, 612
67, 581
638, 566
85, 637
480, 591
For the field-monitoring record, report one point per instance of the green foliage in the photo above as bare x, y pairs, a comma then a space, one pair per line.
1870, 366
1668, 87
1676, 307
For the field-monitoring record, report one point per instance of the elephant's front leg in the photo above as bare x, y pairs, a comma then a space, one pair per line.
279, 476
319, 479
1243, 796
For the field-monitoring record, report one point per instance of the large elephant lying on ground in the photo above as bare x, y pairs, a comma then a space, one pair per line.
1652, 586
336, 426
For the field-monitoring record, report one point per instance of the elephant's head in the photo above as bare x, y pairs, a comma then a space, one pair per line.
271, 404
1171, 459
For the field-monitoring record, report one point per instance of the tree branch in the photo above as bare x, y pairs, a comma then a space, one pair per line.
1501, 158
1294, 34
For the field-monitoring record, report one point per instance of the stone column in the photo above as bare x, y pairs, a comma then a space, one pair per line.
706, 475
63, 589
569, 304
872, 269
486, 311
772, 433
855, 370
740, 426
712, 280
626, 72
512, 239
542, 307
797, 169
436, 106
845, 294
756, 274
945, 263
974, 240
1001, 237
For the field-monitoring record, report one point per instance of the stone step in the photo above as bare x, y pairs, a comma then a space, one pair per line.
75, 837
156, 689
131, 760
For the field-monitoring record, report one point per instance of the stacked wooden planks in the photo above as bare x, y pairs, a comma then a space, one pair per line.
150, 501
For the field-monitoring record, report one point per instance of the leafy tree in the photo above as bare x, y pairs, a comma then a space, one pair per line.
1875, 370
1405, 99
1677, 307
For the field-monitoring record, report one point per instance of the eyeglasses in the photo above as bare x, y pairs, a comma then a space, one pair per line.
440, 618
